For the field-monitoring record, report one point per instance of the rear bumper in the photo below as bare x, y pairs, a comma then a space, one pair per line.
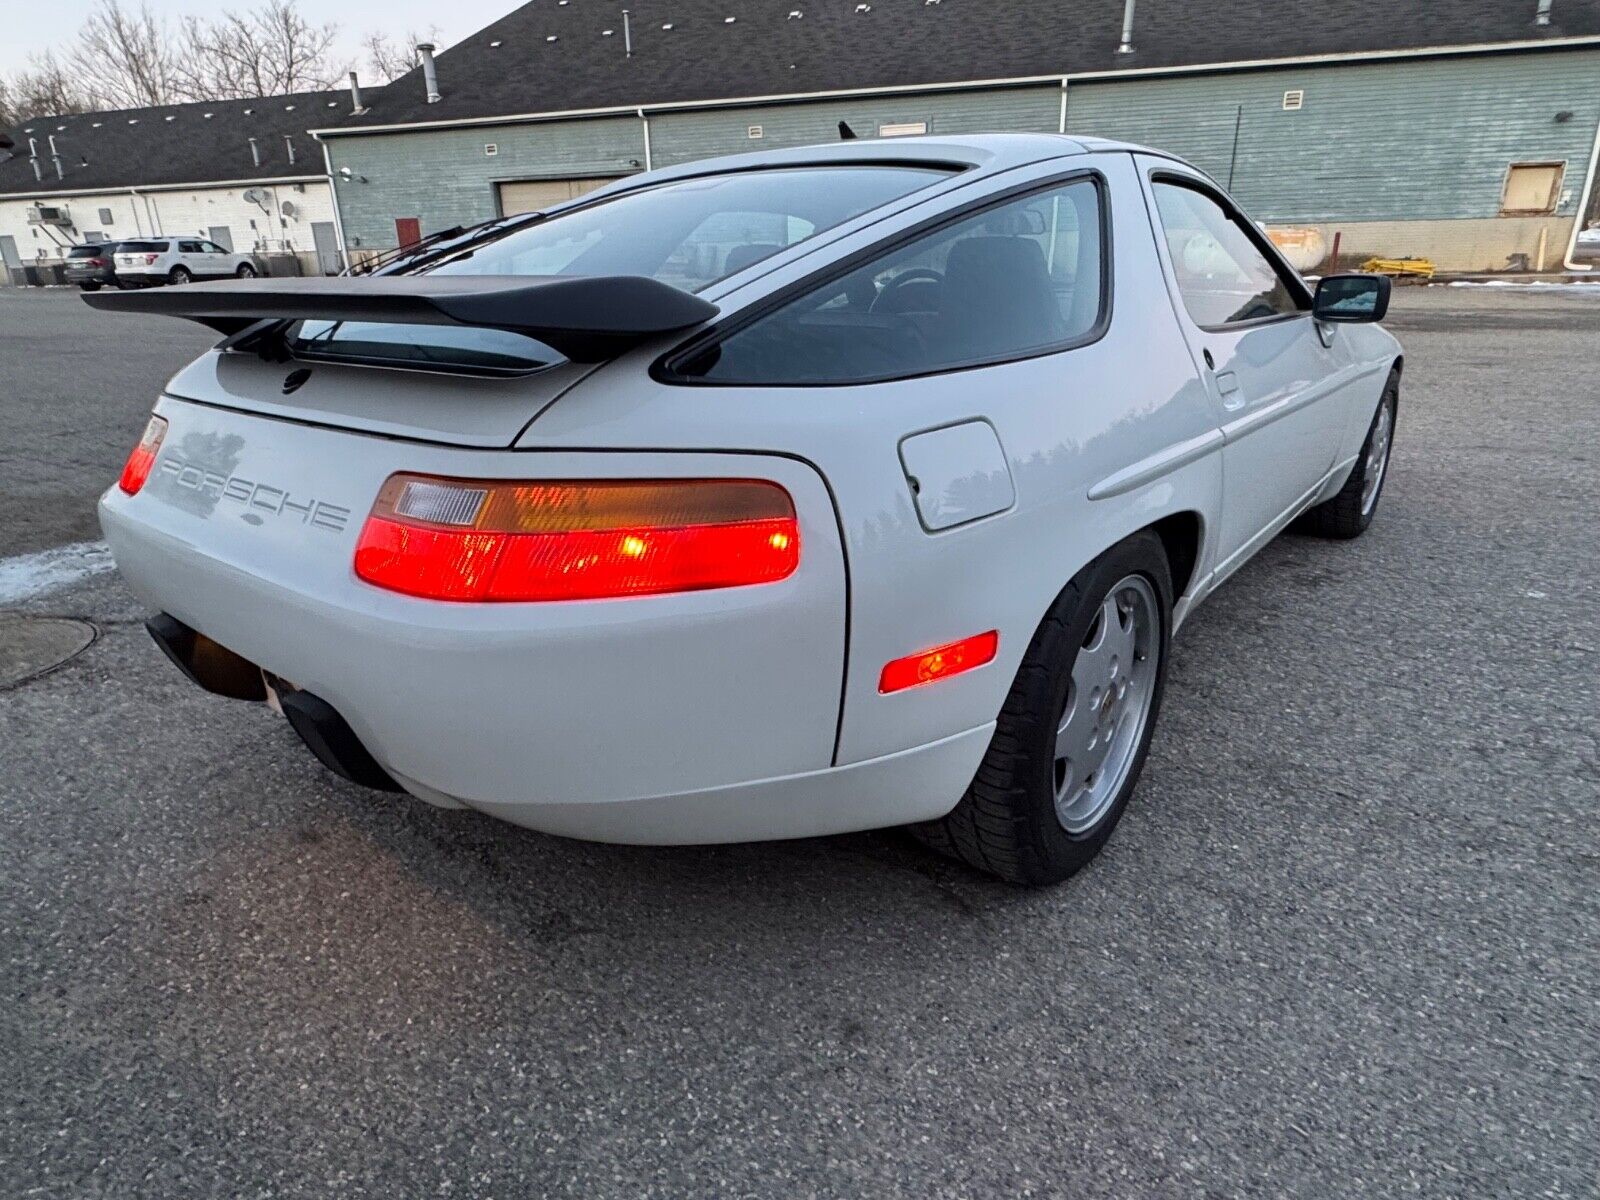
695, 717
920, 784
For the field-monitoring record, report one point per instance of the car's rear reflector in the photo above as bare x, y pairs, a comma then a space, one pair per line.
491, 540
941, 662
137, 469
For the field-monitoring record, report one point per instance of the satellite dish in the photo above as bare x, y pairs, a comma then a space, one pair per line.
256, 196
288, 209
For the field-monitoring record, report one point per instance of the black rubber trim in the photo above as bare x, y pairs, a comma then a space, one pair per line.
328, 736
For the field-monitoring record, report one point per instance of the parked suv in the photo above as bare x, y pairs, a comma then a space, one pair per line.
90, 266
179, 260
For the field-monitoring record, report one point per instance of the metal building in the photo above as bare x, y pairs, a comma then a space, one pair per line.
241, 173
1464, 131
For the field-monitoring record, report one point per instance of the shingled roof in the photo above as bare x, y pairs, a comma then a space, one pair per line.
174, 144
563, 55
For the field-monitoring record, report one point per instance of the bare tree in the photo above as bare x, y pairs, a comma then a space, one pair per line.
388, 59
46, 89
125, 56
266, 51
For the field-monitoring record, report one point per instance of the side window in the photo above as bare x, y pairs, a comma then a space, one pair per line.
1221, 275
1022, 278
189, 247
212, 248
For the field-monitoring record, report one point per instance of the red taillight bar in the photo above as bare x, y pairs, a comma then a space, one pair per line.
143, 456
491, 540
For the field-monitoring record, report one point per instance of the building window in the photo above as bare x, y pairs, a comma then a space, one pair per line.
105, 216
491, 149
903, 129
1294, 100
1532, 188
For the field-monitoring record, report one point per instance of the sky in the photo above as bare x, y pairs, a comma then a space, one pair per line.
31, 27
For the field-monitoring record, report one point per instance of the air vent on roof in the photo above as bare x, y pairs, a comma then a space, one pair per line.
552, 37
903, 129
491, 149
248, 111
795, 14
1294, 99
863, 8
603, 33
755, 131
97, 125
288, 108
172, 117
497, 45
208, 116
729, 20
668, 25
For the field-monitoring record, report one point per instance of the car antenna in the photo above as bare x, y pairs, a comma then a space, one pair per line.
846, 134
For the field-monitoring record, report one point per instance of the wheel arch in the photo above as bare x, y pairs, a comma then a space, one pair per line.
1180, 534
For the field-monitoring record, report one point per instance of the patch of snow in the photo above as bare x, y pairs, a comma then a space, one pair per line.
24, 576
1577, 288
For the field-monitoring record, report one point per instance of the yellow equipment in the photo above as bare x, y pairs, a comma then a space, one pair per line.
1416, 268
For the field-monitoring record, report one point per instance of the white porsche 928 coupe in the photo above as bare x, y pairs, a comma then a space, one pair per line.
785, 494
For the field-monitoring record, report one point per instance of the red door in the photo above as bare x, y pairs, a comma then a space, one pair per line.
408, 230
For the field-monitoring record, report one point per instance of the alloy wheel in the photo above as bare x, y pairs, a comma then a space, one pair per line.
1377, 461
1109, 698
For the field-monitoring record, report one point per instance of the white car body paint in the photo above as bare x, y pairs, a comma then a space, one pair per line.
754, 712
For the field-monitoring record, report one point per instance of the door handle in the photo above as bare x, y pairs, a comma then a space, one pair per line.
1228, 390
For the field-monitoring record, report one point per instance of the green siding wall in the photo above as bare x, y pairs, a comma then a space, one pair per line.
683, 136
443, 176
1413, 140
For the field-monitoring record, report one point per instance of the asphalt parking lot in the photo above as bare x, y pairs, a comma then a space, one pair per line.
1346, 942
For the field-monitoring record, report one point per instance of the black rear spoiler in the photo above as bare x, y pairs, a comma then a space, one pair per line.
586, 318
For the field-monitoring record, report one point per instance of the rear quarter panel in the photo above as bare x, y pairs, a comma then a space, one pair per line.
1066, 422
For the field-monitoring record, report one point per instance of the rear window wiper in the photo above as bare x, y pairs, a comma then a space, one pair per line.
443, 241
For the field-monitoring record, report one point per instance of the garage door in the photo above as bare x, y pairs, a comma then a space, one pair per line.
530, 195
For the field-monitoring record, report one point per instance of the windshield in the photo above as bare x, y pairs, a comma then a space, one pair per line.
689, 234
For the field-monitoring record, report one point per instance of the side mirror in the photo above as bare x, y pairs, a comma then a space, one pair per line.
1351, 298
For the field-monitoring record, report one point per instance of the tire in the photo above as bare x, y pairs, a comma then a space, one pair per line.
89, 287
1348, 513
179, 275
1008, 823
245, 271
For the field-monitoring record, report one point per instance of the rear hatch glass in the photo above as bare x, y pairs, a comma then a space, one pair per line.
141, 247
688, 233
